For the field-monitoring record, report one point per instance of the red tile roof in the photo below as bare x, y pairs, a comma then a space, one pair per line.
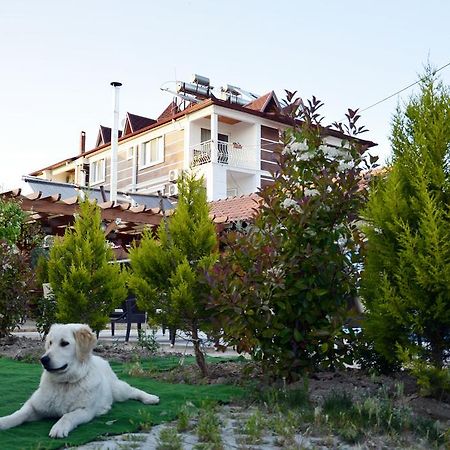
262, 103
236, 208
170, 111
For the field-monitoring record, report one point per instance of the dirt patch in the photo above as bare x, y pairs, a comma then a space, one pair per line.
26, 349
223, 372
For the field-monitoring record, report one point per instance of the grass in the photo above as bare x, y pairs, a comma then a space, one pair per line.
169, 439
254, 428
282, 413
287, 412
18, 380
208, 426
185, 414
149, 366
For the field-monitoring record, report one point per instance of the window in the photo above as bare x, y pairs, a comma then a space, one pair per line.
205, 135
152, 152
97, 171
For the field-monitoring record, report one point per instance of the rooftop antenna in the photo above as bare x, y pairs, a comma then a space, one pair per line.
114, 144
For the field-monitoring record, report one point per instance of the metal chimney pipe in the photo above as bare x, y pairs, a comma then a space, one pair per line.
114, 144
82, 143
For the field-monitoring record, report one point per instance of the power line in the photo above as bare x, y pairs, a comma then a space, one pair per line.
404, 89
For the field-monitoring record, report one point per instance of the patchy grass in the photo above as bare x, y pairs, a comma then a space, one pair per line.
169, 439
18, 380
208, 427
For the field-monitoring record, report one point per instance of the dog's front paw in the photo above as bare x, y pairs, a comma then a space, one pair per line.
149, 399
3, 424
61, 429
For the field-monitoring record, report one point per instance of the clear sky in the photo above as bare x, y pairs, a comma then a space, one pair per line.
58, 58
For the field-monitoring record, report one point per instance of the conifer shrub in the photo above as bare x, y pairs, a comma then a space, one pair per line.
167, 268
87, 285
406, 281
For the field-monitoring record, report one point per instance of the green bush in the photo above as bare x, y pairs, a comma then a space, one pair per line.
406, 281
282, 290
12, 219
167, 268
86, 285
15, 276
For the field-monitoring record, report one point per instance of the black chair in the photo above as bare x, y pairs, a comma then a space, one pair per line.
130, 314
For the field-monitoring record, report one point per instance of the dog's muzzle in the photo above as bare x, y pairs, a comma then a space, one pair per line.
45, 361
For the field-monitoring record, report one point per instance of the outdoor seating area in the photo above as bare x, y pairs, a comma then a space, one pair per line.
128, 314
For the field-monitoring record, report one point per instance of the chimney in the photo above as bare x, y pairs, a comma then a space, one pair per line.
82, 143
114, 144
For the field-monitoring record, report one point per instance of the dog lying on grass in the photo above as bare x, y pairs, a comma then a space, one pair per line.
76, 385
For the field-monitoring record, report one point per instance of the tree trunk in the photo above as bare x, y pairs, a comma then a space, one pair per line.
437, 350
199, 356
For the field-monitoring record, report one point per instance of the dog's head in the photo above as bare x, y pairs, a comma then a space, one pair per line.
67, 347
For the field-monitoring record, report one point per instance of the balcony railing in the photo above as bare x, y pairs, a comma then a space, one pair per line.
228, 153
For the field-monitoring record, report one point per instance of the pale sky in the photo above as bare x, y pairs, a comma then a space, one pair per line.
58, 58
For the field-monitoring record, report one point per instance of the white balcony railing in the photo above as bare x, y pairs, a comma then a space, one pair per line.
228, 153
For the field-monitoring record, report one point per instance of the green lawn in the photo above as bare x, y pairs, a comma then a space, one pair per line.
18, 380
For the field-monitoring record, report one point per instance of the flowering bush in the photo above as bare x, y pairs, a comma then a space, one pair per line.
14, 278
282, 291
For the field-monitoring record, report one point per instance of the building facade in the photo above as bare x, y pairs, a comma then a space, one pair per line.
231, 143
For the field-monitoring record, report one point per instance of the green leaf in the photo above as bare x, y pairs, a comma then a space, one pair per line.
297, 335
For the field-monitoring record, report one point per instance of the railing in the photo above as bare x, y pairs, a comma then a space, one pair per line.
228, 153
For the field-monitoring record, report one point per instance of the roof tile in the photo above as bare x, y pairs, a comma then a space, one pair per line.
236, 208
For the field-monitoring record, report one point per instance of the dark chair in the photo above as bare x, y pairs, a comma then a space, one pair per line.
130, 314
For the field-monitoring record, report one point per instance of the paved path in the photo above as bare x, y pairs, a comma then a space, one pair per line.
182, 343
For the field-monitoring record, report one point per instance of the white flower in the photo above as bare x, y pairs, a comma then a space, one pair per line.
342, 241
330, 152
311, 192
298, 147
289, 203
345, 166
294, 147
305, 156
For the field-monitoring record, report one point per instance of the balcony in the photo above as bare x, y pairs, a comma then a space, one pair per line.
232, 154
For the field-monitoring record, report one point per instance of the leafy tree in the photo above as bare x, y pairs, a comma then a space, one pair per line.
167, 268
87, 287
406, 282
281, 291
12, 219
15, 276
17, 240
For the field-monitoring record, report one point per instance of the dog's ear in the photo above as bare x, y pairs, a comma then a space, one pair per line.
85, 340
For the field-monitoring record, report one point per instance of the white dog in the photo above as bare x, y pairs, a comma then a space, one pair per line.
75, 386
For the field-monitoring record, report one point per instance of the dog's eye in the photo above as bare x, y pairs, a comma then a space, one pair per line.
64, 344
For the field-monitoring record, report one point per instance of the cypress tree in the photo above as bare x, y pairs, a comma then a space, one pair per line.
406, 281
167, 268
87, 287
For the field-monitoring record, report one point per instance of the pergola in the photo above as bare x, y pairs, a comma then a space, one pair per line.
122, 222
